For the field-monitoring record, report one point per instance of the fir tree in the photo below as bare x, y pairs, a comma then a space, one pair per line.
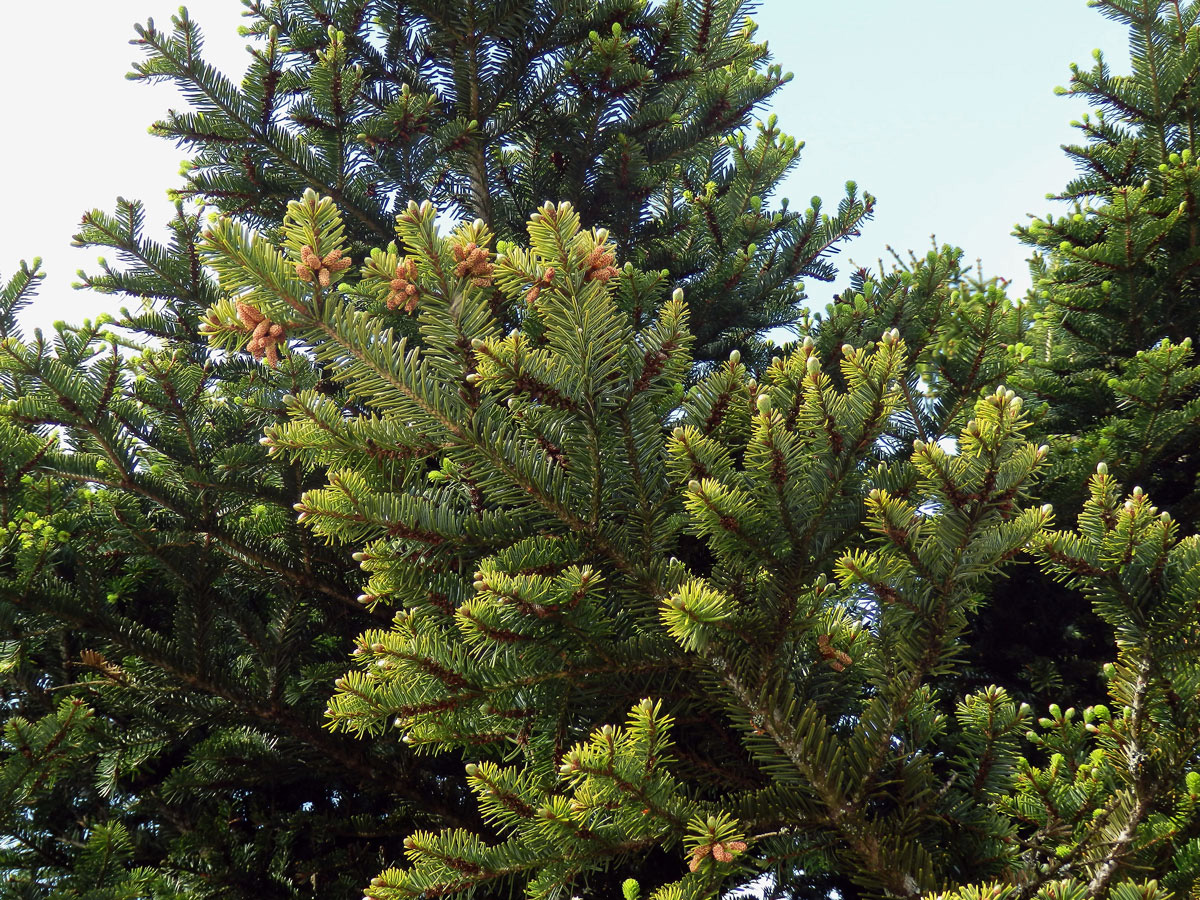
150, 565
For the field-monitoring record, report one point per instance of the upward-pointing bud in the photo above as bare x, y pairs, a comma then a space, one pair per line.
735, 357
847, 349
764, 404
1101, 468
677, 295
814, 365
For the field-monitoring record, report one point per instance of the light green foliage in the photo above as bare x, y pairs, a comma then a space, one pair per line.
962, 332
612, 795
562, 534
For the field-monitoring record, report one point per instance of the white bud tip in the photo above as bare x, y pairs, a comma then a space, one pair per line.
1047, 509
694, 486
735, 356
477, 344
677, 295
1101, 468
764, 404
847, 350
814, 365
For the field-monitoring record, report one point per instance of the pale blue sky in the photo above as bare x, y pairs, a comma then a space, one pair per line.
941, 108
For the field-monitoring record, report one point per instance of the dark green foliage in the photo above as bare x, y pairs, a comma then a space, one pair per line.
152, 566
629, 110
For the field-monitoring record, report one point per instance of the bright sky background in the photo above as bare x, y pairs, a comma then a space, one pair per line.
943, 109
